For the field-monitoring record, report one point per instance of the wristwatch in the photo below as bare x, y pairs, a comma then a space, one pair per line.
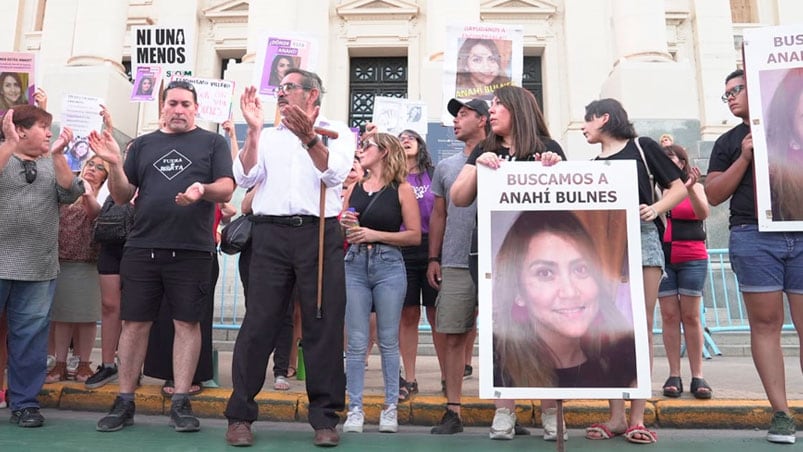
311, 143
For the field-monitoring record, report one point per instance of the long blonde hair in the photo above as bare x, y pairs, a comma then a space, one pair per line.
395, 161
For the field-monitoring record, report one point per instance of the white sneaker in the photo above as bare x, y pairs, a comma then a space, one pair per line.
354, 421
51, 362
72, 366
504, 424
389, 420
549, 419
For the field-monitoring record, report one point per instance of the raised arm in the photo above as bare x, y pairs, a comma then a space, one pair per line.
251, 107
107, 148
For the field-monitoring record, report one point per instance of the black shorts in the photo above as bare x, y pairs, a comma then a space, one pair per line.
109, 259
416, 261
180, 277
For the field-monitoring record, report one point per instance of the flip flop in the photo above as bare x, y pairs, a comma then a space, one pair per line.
602, 430
638, 434
281, 384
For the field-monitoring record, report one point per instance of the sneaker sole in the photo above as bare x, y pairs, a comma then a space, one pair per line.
354, 429
781, 439
100, 383
126, 423
388, 428
31, 424
554, 437
504, 434
187, 429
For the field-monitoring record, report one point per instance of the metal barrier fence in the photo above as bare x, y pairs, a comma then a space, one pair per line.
722, 307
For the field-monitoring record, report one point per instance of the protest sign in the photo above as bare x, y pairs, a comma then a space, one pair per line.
16, 79
169, 47
279, 52
82, 115
560, 284
393, 114
146, 83
774, 72
214, 97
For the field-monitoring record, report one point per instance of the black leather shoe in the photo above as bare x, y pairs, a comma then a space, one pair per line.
326, 437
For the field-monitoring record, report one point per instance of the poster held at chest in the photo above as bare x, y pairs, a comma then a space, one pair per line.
774, 74
81, 114
560, 282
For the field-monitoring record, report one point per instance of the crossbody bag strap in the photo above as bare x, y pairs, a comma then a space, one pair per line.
646, 166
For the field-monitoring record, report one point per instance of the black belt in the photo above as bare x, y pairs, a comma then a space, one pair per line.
289, 220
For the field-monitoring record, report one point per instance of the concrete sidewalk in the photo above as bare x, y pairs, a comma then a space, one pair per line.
739, 400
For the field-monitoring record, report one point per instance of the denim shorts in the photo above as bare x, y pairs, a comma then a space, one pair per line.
767, 261
652, 252
684, 278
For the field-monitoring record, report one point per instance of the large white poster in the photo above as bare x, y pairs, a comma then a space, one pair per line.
170, 47
478, 59
560, 289
774, 71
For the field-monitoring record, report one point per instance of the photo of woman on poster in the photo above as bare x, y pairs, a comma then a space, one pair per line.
279, 67
784, 129
12, 90
78, 153
480, 69
145, 87
555, 320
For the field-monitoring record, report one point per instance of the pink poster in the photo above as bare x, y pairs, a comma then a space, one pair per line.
16, 79
280, 55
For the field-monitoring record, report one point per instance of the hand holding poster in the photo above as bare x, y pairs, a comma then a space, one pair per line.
545, 232
774, 73
277, 54
146, 83
393, 115
214, 97
16, 79
82, 115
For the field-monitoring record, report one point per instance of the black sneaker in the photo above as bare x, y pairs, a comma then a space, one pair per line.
102, 376
468, 371
27, 417
521, 430
121, 415
449, 425
181, 417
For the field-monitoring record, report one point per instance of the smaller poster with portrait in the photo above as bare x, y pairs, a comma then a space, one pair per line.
214, 97
146, 83
478, 59
393, 115
560, 288
17, 85
773, 58
279, 52
81, 114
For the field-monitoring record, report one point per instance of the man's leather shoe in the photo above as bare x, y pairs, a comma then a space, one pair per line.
239, 434
326, 437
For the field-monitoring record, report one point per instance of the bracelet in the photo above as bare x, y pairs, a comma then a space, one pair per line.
435, 259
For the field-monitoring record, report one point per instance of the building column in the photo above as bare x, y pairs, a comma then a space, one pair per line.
10, 12
99, 33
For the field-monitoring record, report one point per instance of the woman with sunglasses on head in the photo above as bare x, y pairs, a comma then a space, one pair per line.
518, 133
382, 203
681, 290
416, 261
76, 303
606, 123
34, 180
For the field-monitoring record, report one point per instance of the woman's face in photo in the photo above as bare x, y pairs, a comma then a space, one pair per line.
12, 91
558, 288
147, 85
482, 64
81, 149
500, 118
282, 66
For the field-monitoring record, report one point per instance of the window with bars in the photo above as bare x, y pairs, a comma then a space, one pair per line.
532, 80
371, 77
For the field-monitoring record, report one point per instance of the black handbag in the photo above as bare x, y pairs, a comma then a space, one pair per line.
236, 236
113, 223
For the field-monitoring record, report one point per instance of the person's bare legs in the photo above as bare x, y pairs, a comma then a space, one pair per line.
408, 339
438, 339
61, 333
765, 314
468, 351
132, 349
670, 322
84, 341
186, 349
693, 332
110, 323
455, 365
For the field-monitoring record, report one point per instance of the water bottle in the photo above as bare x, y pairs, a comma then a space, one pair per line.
349, 219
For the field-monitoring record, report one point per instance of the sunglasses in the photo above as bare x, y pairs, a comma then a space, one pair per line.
29, 169
180, 84
97, 166
733, 92
367, 144
289, 86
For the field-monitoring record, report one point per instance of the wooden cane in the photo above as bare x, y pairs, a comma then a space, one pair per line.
322, 225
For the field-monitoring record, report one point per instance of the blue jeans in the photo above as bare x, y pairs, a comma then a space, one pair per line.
28, 309
375, 276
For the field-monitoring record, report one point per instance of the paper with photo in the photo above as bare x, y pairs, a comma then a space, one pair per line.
392, 115
214, 97
81, 114
479, 58
774, 72
146, 83
17, 86
279, 52
544, 231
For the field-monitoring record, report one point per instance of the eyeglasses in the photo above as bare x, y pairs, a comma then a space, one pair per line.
180, 84
289, 86
733, 92
367, 144
97, 166
29, 169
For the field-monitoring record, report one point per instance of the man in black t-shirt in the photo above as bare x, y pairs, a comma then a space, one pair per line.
180, 171
767, 264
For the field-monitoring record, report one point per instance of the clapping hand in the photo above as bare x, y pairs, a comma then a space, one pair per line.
193, 193
105, 146
64, 138
10, 134
251, 107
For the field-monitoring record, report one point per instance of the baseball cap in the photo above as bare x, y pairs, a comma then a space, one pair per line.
478, 105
